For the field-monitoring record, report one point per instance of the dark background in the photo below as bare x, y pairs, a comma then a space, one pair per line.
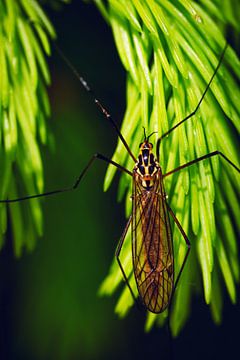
49, 308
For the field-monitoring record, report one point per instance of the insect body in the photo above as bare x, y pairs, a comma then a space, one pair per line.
152, 248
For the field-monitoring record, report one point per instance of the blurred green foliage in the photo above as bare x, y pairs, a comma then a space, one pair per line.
24, 107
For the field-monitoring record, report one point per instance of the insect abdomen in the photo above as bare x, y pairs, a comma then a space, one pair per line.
152, 244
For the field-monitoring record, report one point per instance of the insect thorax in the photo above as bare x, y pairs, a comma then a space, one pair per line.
146, 167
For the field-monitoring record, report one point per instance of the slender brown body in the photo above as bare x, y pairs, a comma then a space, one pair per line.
152, 247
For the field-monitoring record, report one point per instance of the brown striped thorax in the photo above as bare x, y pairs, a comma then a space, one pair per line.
147, 166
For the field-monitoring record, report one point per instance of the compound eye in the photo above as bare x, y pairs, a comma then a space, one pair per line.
140, 145
151, 145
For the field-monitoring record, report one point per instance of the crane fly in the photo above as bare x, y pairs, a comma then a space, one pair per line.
152, 247
152, 241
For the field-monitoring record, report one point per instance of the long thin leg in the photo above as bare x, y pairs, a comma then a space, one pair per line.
117, 254
197, 107
96, 101
182, 266
76, 183
89, 90
187, 243
214, 153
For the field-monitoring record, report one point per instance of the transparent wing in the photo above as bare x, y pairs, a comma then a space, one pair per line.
152, 245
